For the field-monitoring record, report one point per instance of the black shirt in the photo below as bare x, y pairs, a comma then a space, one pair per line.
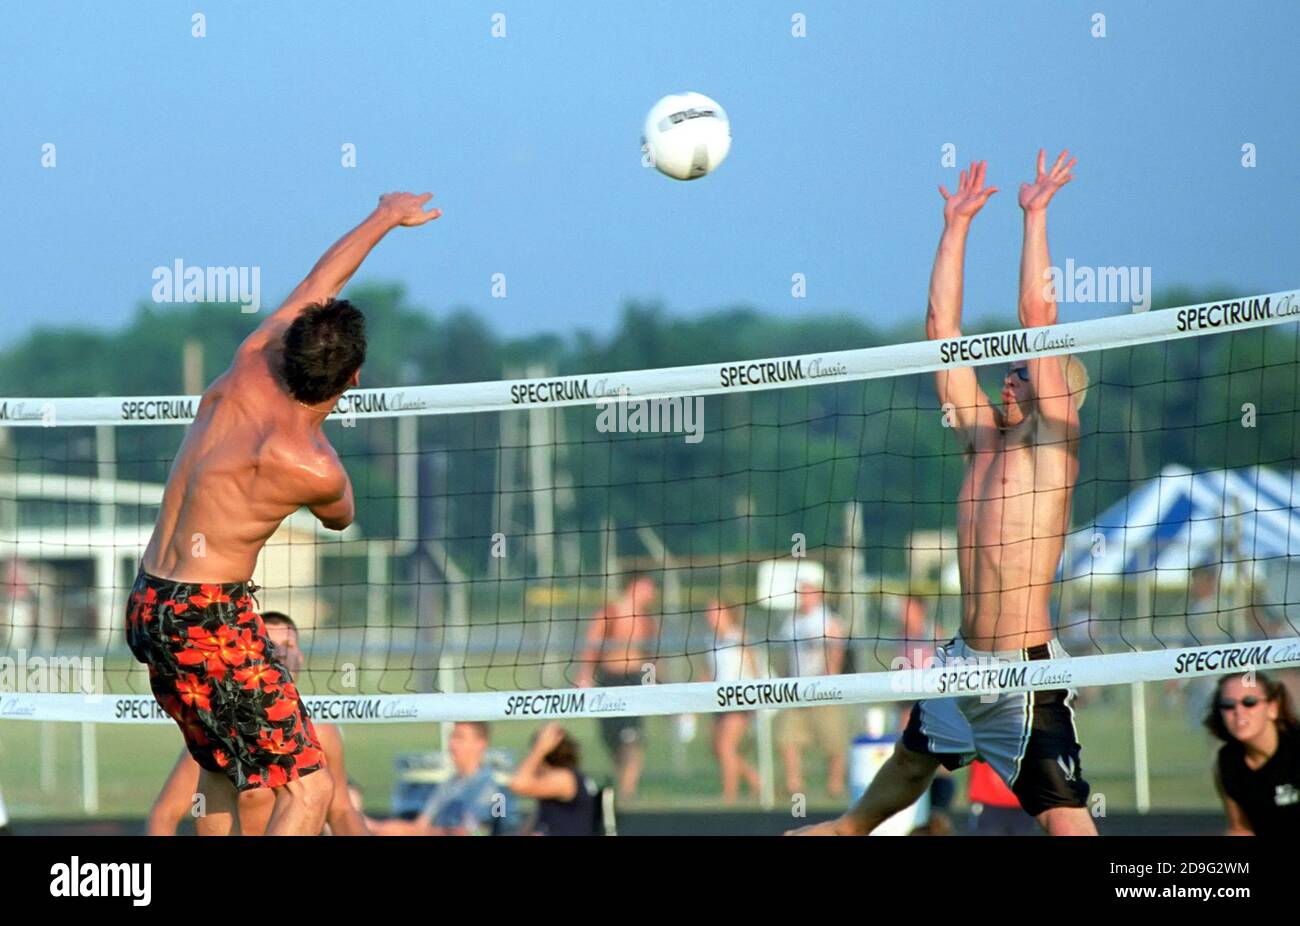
576, 817
1270, 794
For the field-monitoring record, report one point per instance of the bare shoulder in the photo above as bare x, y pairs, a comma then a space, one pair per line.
264, 342
256, 366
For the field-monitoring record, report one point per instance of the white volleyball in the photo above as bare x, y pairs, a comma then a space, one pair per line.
686, 135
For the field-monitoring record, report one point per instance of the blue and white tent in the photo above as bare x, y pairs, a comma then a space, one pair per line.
1247, 519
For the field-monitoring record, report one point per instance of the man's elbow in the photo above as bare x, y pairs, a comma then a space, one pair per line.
1037, 313
336, 517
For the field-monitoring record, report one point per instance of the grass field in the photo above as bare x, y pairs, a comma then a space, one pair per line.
133, 760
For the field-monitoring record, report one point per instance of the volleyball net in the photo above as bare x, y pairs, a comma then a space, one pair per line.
519, 544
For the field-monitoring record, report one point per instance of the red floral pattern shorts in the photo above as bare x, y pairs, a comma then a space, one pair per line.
216, 674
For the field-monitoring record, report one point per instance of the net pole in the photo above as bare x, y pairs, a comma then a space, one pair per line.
1145, 612
764, 745
89, 769
1141, 759
766, 767
456, 638
105, 558
49, 758
541, 477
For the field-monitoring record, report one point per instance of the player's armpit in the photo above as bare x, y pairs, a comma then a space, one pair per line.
1058, 413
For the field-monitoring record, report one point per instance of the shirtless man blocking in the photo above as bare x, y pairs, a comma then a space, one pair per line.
254, 455
1021, 464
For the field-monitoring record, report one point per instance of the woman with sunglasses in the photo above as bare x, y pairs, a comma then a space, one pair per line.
1258, 771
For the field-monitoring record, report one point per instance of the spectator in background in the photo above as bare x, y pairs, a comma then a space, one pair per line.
470, 803
731, 662
4, 818
551, 773
918, 633
1209, 618
1258, 769
619, 645
817, 644
995, 809
1209, 609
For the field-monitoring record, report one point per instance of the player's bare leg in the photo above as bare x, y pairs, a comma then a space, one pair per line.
1067, 821
301, 805
899, 783
728, 733
793, 762
836, 772
220, 815
630, 759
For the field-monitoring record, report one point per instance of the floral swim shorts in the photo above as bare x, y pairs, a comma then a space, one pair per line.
214, 672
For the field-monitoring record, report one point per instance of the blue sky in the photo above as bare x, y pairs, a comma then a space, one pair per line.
225, 150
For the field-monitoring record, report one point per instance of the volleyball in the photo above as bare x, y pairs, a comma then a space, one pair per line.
686, 136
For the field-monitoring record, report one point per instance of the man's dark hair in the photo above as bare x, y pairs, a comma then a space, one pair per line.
323, 347
279, 617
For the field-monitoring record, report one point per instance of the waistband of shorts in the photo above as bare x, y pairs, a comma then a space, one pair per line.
229, 588
957, 646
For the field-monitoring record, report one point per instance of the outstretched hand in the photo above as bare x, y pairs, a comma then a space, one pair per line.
1035, 196
408, 208
971, 193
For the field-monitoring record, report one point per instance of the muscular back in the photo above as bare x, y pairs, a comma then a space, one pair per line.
253, 454
251, 458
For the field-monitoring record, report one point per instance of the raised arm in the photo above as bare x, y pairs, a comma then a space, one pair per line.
337, 265
1056, 407
535, 779
959, 390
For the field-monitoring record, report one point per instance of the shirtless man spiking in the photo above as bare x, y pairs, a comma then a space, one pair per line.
255, 454
1021, 464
